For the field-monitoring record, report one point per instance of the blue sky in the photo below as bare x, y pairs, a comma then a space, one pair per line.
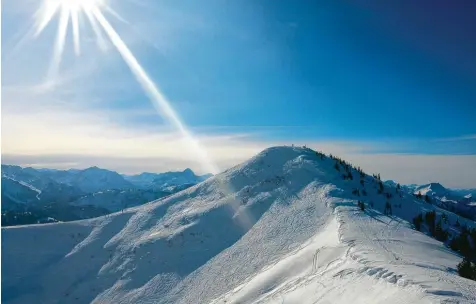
369, 80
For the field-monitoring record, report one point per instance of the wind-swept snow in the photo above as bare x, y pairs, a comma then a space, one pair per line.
282, 227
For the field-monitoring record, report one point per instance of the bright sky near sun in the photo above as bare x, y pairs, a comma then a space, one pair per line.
145, 85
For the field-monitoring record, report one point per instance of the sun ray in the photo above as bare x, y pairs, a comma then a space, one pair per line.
59, 44
75, 25
97, 31
115, 14
44, 16
159, 101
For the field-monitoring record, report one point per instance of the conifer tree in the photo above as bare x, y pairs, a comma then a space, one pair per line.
417, 220
440, 234
466, 269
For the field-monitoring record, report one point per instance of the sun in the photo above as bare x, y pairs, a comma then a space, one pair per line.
76, 5
67, 9
70, 8
68, 12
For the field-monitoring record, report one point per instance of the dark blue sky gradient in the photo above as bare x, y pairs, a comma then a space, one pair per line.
327, 69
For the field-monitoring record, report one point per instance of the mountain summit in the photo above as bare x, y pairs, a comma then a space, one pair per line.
287, 226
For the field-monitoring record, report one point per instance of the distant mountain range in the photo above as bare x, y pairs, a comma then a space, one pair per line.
164, 180
30, 194
459, 201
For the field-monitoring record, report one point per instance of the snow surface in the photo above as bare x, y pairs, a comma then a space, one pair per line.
282, 227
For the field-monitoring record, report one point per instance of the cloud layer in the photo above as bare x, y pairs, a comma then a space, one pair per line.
60, 137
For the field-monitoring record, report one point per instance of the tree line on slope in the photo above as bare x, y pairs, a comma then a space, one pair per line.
464, 243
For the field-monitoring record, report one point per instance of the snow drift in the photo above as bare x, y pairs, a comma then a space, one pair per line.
282, 227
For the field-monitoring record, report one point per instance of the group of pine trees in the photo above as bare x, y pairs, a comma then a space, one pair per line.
347, 167
435, 228
467, 269
347, 174
388, 209
464, 243
425, 197
417, 220
320, 154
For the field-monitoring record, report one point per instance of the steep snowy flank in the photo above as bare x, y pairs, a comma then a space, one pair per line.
18, 192
283, 227
28, 176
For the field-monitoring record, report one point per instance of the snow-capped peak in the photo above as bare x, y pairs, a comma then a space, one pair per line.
282, 227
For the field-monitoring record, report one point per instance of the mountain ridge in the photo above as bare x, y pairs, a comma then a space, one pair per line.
282, 226
30, 194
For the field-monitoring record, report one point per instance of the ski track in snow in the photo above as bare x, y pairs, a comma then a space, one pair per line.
282, 227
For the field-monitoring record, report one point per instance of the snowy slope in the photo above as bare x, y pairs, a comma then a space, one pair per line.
282, 227
18, 192
28, 176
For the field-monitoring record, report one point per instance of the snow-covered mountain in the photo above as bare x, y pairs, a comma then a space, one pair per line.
18, 192
29, 194
23, 193
96, 179
86, 181
160, 181
27, 176
466, 193
143, 180
283, 227
433, 189
461, 202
